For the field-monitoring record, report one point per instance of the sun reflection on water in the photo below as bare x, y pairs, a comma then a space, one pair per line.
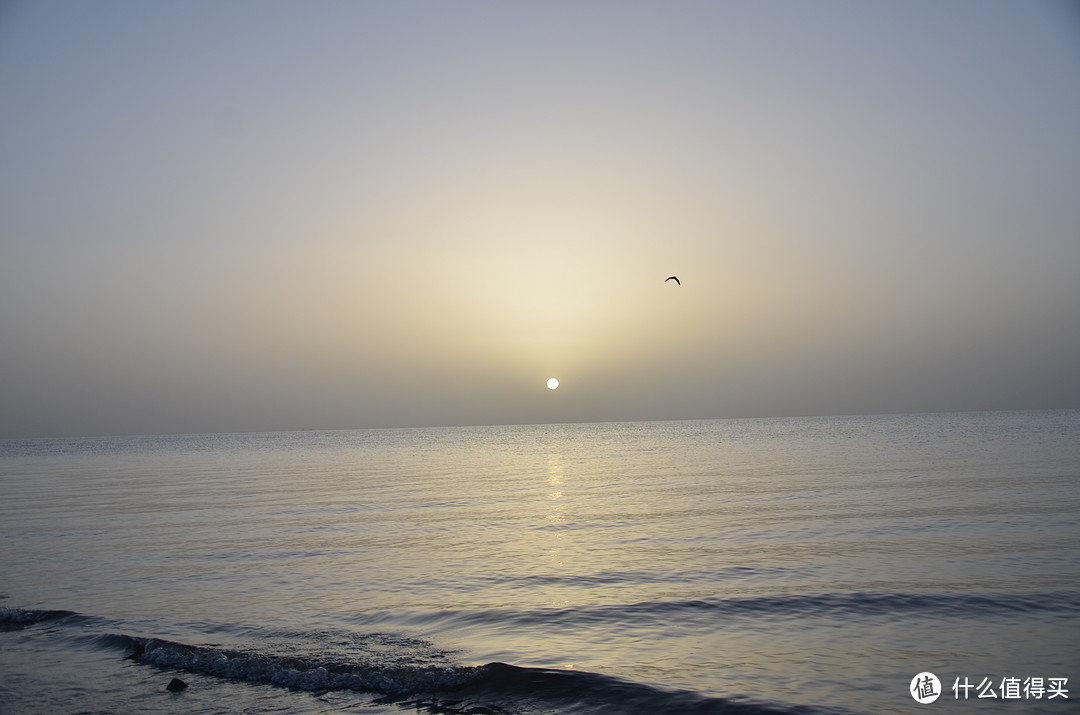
556, 516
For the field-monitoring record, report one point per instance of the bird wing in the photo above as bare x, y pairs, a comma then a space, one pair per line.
673, 278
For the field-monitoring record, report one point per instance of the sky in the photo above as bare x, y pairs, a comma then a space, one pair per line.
247, 216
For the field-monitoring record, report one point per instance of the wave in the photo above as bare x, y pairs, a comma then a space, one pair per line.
491, 688
584, 693
878, 603
304, 672
397, 669
413, 673
16, 619
827, 605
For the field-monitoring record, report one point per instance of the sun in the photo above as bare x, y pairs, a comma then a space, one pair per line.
552, 383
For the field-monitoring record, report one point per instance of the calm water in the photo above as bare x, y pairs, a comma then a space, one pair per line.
743, 566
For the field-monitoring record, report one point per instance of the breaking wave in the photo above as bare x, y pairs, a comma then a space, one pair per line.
415, 673
491, 688
398, 669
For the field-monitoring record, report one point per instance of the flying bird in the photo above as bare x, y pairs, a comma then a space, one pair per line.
672, 278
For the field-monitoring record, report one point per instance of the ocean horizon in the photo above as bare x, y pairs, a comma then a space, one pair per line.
760, 565
471, 425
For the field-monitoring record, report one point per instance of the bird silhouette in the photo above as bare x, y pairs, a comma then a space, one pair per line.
672, 278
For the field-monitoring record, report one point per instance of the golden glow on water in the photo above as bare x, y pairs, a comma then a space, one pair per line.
556, 517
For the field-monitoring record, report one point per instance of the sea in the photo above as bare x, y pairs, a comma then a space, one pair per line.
858, 564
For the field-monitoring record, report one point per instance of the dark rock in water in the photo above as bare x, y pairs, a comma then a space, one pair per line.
175, 685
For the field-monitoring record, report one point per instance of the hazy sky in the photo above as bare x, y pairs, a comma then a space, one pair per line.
233, 216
